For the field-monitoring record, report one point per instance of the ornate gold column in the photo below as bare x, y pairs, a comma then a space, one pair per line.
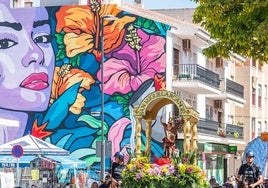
138, 136
187, 135
148, 133
194, 140
194, 136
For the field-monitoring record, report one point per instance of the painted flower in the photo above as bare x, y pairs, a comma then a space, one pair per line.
116, 133
64, 78
82, 28
133, 65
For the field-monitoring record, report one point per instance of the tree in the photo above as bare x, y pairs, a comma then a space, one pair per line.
239, 26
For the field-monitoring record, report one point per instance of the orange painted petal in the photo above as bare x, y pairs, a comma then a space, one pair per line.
75, 76
76, 44
108, 9
113, 34
79, 103
75, 19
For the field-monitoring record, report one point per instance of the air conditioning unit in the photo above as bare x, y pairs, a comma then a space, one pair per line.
186, 44
219, 62
217, 104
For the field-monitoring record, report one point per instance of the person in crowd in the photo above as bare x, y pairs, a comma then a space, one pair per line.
229, 183
94, 185
213, 182
106, 183
116, 170
82, 178
234, 181
170, 137
249, 173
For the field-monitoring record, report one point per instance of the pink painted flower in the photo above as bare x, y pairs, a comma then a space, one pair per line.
139, 60
116, 133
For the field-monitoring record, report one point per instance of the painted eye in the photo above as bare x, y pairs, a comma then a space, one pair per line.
43, 39
7, 43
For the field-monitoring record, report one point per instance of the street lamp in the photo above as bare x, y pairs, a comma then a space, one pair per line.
107, 17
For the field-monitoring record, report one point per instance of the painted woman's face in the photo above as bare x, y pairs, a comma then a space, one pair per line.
26, 58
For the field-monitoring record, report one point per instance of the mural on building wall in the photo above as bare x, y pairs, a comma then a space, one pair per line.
50, 74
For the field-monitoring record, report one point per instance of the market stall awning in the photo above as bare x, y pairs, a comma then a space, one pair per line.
9, 161
32, 145
67, 161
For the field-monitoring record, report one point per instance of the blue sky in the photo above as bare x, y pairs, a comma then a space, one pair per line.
162, 4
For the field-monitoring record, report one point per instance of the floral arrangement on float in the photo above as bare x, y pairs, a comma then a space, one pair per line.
164, 172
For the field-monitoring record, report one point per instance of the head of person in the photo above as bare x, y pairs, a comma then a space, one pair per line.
119, 157
250, 157
94, 185
212, 180
230, 179
26, 58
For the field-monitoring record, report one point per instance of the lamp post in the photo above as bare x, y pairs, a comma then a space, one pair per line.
107, 17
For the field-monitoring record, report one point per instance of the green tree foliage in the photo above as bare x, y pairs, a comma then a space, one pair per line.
239, 26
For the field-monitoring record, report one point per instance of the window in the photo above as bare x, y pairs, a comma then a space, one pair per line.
253, 62
176, 61
209, 112
253, 127
259, 95
253, 96
259, 128
194, 58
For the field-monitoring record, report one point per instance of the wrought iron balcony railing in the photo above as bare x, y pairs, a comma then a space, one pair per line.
196, 72
224, 129
232, 87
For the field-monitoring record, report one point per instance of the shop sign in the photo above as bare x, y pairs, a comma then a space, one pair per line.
211, 147
7, 165
232, 149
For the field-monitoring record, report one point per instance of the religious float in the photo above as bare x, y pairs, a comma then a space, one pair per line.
177, 170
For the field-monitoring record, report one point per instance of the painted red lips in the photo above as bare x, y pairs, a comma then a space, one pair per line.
36, 81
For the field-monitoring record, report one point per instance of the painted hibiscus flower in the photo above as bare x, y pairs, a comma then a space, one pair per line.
64, 78
140, 59
81, 26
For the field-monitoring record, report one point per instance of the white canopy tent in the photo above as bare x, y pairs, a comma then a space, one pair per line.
32, 145
34, 148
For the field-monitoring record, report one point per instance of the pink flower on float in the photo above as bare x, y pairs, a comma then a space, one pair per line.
138, 175
128, 68
190, 170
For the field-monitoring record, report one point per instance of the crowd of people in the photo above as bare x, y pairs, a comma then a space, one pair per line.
249, 176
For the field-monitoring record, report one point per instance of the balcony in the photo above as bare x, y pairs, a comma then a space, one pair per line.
232, 87
212, 128
234, 131
196, 79
208, 127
